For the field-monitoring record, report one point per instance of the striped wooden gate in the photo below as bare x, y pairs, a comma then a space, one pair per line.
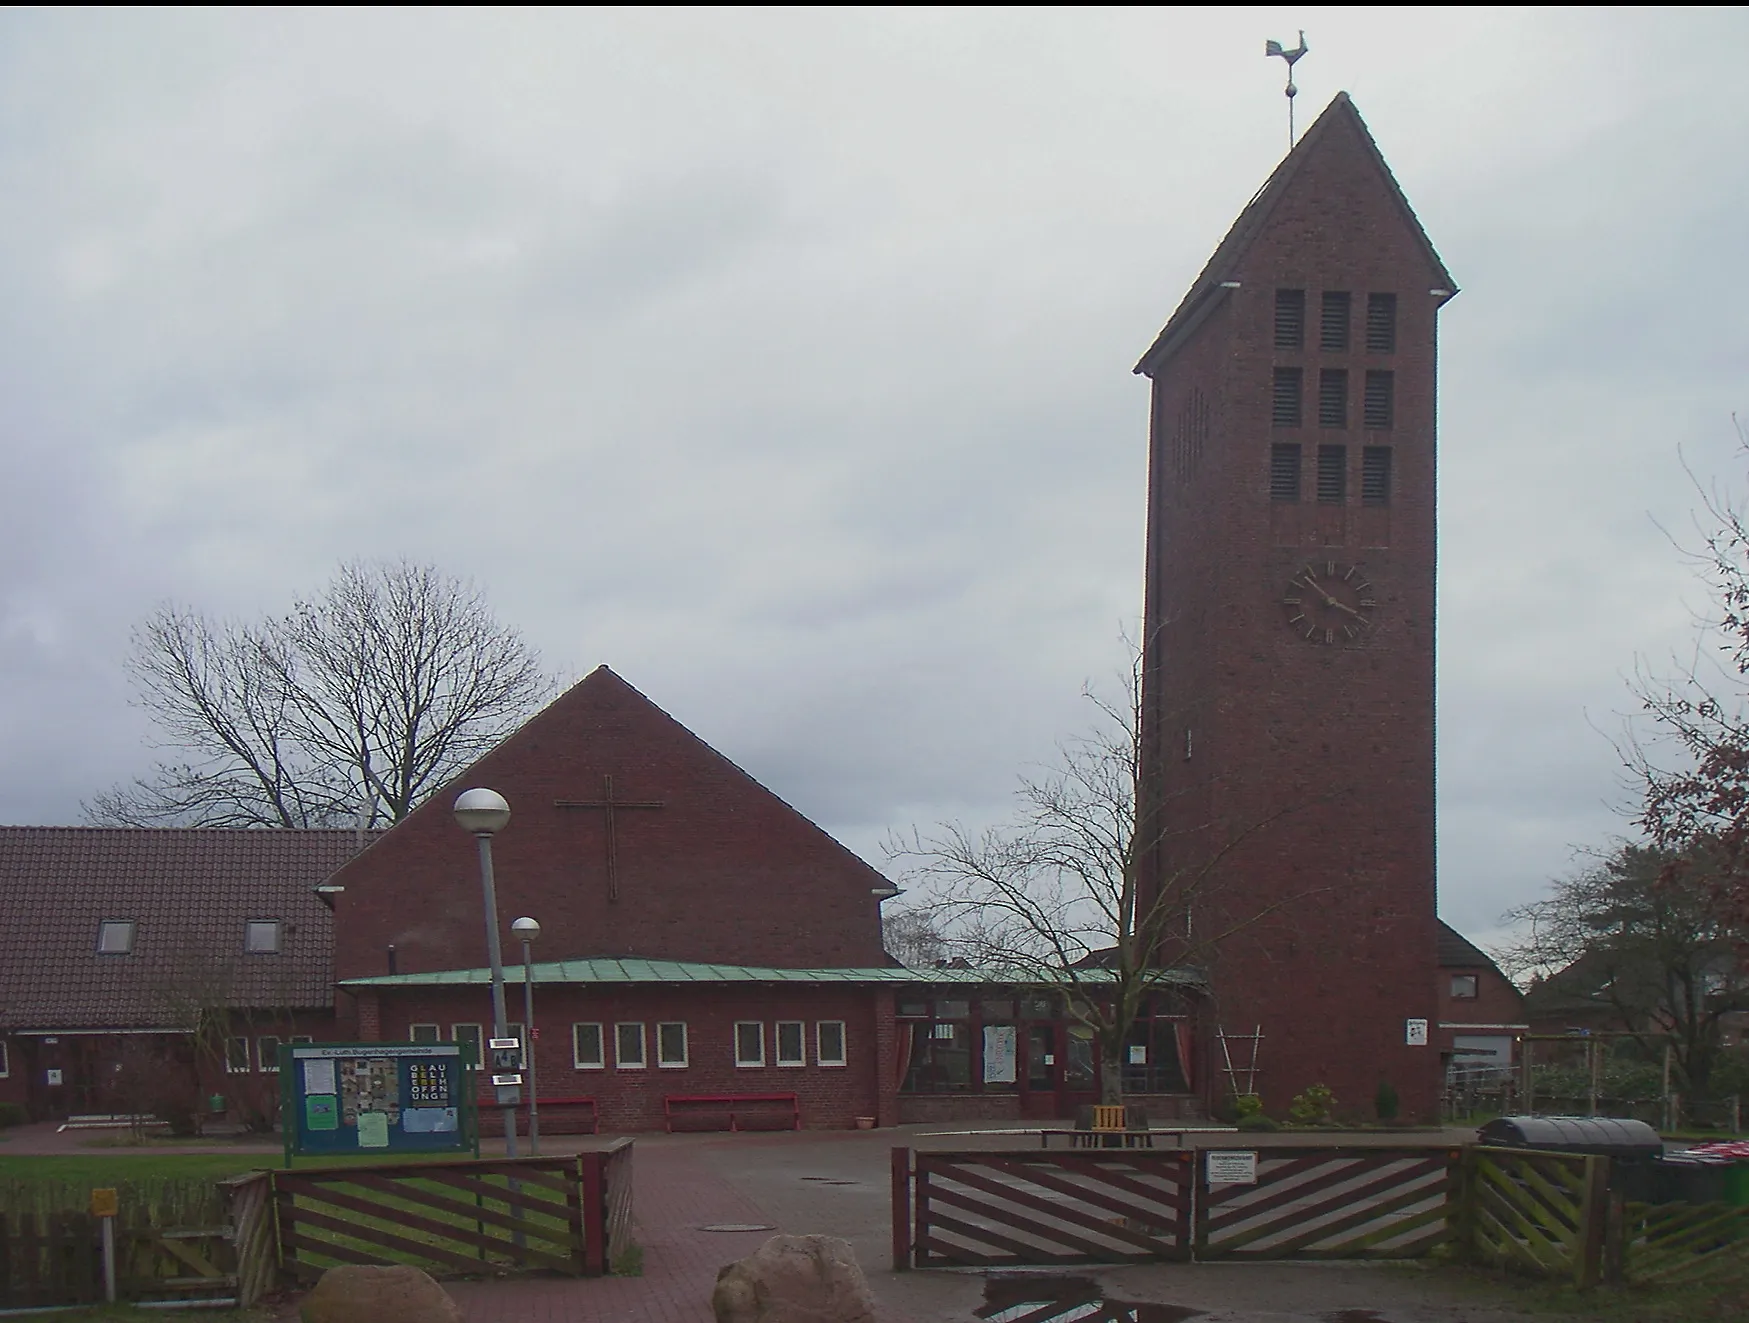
1324, 1203
450, 1218
1008, 1208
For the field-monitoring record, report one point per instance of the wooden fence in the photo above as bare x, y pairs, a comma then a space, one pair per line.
1550, 1214
48, 1259
1325, 1203
1670, 1243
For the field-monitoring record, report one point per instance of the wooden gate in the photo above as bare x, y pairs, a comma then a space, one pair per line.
450, 1218
1541, 1212
1324, 1203
1008, 1208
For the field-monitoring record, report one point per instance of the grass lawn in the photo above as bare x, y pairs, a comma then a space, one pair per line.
108, 1168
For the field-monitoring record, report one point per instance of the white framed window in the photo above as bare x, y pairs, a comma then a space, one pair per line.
749, 1043
115, 937
237, 1056
5, 1060
424, 1033
628, 1045
469, 1035
587, 1051
829, 1042
267, 1053
792, 1040
1465, 987
262, 936
671, 1045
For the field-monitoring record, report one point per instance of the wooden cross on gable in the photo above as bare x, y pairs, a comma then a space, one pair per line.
608, 804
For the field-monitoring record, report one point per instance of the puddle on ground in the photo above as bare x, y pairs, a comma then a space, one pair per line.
738, 1226
1037, 1298
829, 1180
1353, 1316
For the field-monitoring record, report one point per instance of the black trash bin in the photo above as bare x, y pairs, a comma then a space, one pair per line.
1606, 1136
1632, 1147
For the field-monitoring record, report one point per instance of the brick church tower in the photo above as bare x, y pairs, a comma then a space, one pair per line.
1288, 691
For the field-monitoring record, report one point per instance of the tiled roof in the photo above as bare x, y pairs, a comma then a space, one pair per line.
1458, 952
189, 893
680, 971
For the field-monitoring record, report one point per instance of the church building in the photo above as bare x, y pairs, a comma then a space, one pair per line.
1289, 625
709, 956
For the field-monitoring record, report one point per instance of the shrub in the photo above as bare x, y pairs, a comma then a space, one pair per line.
1247, 1105
1259, 1122
1312, 1107
1385, 1101
12, 1113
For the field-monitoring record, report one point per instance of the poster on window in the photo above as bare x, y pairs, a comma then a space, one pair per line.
999, 1054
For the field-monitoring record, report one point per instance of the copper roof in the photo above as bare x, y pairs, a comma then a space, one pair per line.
189, 894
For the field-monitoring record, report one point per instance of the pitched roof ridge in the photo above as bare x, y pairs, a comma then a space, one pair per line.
1255, 213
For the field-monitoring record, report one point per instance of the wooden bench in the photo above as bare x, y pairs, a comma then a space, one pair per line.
564, 1111
742, 1111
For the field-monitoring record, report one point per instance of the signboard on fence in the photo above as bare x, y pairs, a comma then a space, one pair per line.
376, 1098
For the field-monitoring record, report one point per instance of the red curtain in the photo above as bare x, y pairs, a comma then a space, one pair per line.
906, 1037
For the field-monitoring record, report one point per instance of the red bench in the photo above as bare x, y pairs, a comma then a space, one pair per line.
565, 1111
743, 1111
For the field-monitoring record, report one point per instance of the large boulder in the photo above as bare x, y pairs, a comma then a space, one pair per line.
366, 1293
794, 1279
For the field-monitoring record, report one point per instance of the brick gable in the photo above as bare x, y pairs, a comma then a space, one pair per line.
723, 871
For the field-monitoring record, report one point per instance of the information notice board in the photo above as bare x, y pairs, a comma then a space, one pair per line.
377, 1098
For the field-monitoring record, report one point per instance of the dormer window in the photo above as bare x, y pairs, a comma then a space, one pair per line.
262, 936
115, 937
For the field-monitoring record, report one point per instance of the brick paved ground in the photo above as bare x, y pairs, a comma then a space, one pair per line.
675, 1194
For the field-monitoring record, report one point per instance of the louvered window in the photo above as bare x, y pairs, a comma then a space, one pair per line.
1375, 475
1290, 318
1284, 473
1381, 400
1381, 323
1287, 397
1333, 326
1332, 475
1333, 397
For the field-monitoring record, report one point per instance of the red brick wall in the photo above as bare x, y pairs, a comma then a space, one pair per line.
1497, 1001
725, 871
830, 1097
1323, 754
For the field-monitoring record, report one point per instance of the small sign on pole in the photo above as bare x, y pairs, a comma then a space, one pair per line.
105, 1204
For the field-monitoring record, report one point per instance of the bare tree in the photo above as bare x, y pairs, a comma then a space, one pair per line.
1692, 764
355, 705
1058, 897
912, 938
1640, 942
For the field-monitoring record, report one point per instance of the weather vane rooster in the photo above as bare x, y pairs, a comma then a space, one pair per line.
1274, 48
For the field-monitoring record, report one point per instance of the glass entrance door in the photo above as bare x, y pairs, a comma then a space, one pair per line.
1043, 1075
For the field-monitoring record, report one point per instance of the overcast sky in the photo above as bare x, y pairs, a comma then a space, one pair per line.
781, 360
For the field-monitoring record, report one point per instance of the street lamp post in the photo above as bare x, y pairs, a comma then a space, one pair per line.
484, 813
529, 931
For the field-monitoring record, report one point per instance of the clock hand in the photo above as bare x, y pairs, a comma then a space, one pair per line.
1343, 606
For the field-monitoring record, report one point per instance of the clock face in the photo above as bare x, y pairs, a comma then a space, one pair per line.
1328, 602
